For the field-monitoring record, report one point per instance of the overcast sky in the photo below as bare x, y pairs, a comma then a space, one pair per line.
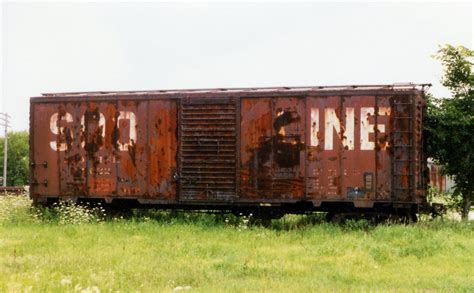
54, 47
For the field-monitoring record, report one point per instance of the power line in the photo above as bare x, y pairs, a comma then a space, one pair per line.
4, 120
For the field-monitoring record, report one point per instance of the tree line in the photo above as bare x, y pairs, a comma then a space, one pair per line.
18, 158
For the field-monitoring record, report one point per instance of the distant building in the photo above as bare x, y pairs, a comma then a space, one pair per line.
437, 179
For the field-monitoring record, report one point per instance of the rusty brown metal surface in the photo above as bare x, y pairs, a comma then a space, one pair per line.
359, 144
104, 149
162, 144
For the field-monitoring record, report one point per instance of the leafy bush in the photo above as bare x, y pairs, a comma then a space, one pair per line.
452, 200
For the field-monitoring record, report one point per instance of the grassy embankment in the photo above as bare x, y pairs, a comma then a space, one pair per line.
45, 252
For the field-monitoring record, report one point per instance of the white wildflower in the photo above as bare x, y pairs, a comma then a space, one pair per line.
65, 281
181, 288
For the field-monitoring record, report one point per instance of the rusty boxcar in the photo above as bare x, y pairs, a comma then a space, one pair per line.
270, 151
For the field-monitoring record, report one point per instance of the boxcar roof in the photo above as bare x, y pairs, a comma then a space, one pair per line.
240, 92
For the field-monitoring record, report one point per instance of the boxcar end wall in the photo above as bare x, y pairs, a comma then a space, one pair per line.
313, 148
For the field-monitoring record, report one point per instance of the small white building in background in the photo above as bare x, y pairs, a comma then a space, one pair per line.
437, 179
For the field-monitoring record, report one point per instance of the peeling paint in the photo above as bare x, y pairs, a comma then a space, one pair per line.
317, 147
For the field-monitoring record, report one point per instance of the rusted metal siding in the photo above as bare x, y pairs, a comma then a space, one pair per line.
256, 158
347, 150
288, 147
273, 148
44, 162
324, 156
253, 145
331, 148
105, 149
383, 141
162, 143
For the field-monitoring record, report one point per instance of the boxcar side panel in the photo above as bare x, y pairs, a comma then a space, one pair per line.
256, 155
324, 150
130, 139
382, 136
347, 150
104, 149
44, 163
101, 132
162, 145
358, 148
272, 148
288, 146
345, 146
72, 142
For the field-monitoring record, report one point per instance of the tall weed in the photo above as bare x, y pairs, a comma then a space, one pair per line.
19, 209
68, 212
16, 209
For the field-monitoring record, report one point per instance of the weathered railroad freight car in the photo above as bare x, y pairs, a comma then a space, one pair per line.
342, 149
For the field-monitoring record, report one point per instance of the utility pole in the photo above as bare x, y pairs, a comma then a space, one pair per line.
4, 120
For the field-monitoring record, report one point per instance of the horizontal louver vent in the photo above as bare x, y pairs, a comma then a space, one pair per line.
207, 149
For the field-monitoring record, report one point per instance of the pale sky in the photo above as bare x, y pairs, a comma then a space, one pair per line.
53, 47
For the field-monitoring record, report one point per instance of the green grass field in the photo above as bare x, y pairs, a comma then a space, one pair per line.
164, 252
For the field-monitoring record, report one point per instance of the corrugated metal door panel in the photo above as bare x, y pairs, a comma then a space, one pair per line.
207, 150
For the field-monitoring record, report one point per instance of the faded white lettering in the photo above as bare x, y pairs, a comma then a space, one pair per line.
101, 124
366, 128
314, 126
56, 129
333, 124
130, 116
348, 139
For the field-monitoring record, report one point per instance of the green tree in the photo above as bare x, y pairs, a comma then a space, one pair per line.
450, 122
18, 158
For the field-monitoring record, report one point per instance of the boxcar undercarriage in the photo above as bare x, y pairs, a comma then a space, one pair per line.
335, 211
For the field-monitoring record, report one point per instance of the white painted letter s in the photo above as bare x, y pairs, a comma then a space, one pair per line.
56, 129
